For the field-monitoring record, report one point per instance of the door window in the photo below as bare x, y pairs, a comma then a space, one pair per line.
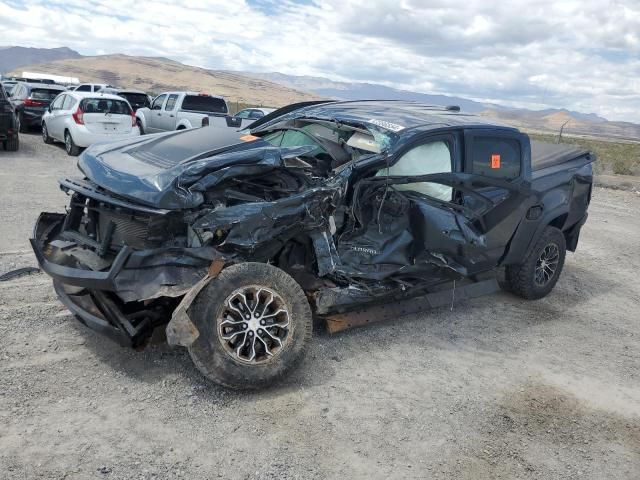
157, 103
69, 102
425, 159
83, 88
171, 103
57, 103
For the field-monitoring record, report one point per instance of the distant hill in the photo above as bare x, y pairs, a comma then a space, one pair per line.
574, 123
12, 58
548, 120
155, 75
366, 91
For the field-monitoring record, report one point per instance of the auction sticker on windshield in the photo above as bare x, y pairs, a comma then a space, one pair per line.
394, 127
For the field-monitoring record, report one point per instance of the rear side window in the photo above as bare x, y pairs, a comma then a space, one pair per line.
202, 103
496, 157
44, 94
84, 88
104, 105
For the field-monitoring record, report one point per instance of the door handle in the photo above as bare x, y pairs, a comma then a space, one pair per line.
171, 115
159, 114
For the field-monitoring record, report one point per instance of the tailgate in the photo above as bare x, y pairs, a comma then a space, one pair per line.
107, 123
106, 115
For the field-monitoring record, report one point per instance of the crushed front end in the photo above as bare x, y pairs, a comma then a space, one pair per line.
118, 266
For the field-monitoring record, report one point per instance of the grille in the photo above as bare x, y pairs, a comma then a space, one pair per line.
129, 230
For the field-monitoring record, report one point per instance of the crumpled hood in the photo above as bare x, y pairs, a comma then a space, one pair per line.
170, 171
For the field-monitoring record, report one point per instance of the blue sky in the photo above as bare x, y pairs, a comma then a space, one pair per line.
578, 54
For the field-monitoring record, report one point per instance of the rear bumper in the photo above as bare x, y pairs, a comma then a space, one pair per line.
82, 137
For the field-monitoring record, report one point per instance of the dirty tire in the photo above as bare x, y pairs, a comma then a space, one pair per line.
208, 353
45, 134
521, 279
72, 149
12, 144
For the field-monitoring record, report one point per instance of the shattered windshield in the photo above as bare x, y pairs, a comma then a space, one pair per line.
293, 138
336, 144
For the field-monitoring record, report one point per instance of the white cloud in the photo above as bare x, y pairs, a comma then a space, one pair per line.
578, 54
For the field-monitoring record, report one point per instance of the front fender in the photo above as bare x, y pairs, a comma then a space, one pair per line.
141, 117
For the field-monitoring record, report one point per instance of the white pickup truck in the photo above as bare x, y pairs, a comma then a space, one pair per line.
182, 110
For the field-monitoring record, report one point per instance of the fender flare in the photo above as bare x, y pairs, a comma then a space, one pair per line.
531, 229
184, 124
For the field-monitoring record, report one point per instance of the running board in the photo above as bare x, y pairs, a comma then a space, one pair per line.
357, 318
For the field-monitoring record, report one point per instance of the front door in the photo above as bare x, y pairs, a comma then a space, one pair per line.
167, 119
155, 114
421, 217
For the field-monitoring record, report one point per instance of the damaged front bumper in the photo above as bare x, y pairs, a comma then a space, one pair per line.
128, 299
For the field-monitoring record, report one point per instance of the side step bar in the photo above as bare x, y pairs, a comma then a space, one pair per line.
357, 318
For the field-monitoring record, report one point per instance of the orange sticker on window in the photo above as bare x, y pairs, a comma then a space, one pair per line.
249, 138
495, 161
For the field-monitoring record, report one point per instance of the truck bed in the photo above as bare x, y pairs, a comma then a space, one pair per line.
545, 155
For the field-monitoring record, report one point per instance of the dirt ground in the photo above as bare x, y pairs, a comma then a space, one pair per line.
498, 387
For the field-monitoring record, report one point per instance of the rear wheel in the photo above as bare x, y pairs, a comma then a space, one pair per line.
71, 148
12, 144
537, 275
254, 322
45, 134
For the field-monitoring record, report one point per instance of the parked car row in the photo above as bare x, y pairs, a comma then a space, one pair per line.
95, 112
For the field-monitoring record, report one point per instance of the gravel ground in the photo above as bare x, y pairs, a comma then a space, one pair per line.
498, 387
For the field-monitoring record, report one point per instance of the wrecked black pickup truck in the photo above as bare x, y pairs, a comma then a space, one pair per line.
232, 241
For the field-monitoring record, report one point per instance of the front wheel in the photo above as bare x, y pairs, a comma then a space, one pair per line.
254, 322
139, 123
536, 276
69, 145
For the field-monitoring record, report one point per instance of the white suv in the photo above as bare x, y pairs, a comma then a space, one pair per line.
81, 119
91, 87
